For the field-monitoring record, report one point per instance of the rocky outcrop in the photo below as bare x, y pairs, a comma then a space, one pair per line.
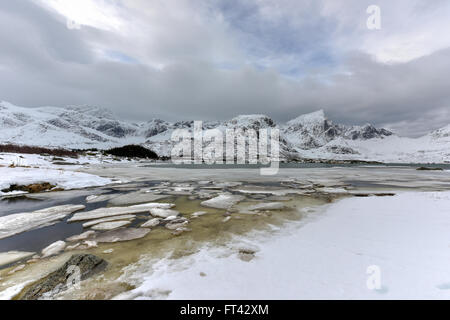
58, 281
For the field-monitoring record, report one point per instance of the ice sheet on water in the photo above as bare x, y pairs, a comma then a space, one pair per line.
135, 198
63, 195
268, 190
53, 249
151, 223
104, 226
223, 201
267, 206
126, 234
13, 256
21, 222
83, 236
117, 211
163, 213
100, 198
109, 219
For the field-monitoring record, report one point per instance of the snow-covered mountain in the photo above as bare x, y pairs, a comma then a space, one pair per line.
313, 130
307, 136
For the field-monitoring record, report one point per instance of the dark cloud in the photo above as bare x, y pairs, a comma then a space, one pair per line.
44, 63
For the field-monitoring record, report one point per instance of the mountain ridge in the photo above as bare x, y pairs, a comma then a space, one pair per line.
310, 135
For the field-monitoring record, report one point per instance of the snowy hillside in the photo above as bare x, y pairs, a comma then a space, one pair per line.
307, 136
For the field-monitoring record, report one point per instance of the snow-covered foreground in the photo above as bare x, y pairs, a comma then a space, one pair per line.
331, 255
26, 169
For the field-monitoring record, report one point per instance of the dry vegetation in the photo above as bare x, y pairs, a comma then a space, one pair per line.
12, 148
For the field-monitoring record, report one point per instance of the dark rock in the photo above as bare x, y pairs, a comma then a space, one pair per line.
57, 281
429, 169
31, 188
63, 163
382, 194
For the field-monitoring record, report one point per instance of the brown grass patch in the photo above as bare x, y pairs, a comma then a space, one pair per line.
58, 152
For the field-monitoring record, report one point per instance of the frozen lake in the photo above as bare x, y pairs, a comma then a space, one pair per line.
244, 205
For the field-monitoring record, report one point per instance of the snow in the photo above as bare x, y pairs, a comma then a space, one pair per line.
309, 136
60, 178
21, 222
332, 255
61, 127
308, 119
11, 292
392, 149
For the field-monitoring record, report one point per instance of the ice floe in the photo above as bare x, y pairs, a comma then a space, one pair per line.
223, 201
109, 219
268, 190
163, 213
21, 222
332, 190
13, 256
125, 234
177, 224
63, 195
135, 198
117, 211
151, 223
53, 249
83, 236
267, 206
198, 214
100, 198
110, 225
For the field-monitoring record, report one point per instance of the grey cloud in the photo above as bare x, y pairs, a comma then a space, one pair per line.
56, 66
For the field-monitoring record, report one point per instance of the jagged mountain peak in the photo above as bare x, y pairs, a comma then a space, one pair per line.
95, 111
251, 121
312, 117
443, 132
309, 135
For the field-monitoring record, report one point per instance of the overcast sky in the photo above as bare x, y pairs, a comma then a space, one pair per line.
212, 59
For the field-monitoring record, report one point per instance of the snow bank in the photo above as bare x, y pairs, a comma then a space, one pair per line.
60, 178
405, 237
